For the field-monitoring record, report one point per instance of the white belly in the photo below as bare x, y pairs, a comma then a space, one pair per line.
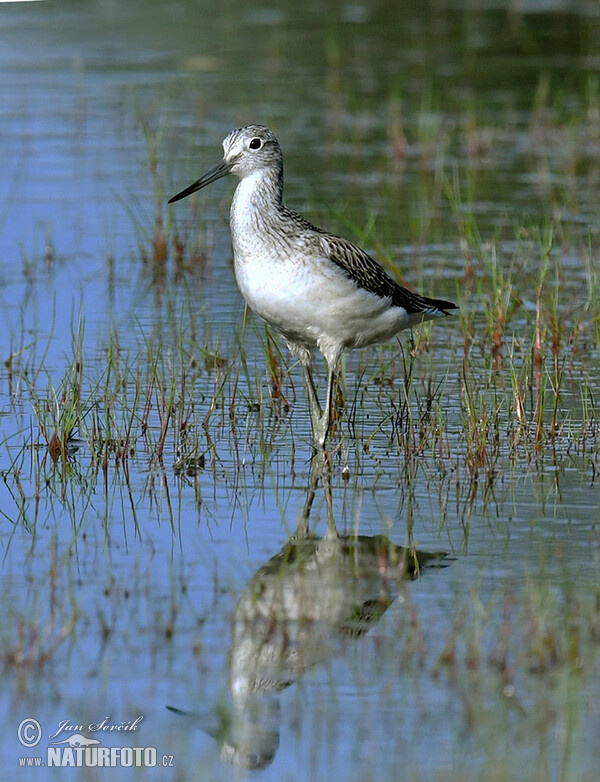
313, 303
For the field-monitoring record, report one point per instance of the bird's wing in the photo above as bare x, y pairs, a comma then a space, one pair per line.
370, 275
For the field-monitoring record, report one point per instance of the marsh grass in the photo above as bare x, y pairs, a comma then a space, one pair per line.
176, 400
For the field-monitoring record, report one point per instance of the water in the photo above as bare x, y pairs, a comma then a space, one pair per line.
121, 580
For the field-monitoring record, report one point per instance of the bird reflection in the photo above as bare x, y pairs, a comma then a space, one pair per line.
293, 614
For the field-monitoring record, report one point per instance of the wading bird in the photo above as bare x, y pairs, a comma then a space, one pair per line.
318, 290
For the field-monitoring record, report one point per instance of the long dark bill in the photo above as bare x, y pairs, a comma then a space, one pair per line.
220, 170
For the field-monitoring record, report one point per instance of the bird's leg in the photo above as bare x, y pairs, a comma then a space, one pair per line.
316, 413
313, 399
320, 419
303, 527
324, 422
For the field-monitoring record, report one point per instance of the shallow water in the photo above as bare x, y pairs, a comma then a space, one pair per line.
413, 130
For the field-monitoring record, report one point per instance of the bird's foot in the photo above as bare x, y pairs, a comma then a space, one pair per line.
320, 425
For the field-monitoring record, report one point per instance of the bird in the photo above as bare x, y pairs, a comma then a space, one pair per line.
318, 290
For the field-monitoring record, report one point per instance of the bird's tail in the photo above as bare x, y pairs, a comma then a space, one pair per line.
435, 307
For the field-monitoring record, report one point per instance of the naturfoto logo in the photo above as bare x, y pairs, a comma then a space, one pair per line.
68, 745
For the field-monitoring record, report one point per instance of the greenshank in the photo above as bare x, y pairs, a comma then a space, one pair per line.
318, 290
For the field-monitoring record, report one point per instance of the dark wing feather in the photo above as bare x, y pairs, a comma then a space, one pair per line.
370, 275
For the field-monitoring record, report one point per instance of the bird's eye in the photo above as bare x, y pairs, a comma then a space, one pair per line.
255, 143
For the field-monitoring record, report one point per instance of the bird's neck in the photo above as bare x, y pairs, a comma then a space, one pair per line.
258, 198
